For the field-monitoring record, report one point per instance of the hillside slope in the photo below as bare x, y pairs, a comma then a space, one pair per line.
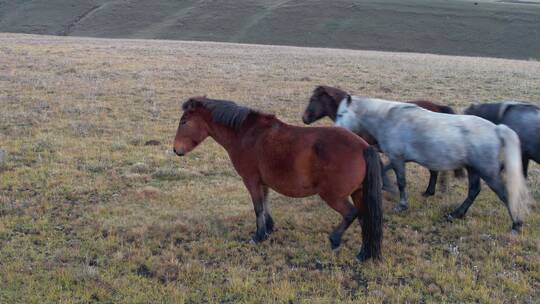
495, 29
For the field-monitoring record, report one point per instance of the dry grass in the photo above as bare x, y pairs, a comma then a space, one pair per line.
88, 212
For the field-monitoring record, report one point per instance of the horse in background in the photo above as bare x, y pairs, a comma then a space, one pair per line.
294, 161
438, 141
325, 101
523, 118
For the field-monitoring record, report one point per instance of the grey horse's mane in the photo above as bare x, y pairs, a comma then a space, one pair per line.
384, 107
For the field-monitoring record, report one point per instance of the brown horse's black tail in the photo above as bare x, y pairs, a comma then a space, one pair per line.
372, 219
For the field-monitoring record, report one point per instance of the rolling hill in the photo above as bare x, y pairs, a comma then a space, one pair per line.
509, 29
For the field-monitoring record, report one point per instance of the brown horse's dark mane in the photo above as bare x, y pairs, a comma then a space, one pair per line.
224, 112
432, 106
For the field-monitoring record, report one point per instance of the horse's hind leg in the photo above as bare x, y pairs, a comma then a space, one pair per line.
349, 214
474, 189
432, 183
496, 184
399, 168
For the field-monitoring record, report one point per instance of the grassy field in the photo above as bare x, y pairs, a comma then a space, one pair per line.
89, 213
491, 28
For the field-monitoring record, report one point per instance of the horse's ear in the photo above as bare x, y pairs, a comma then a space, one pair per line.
349, 100
193, 103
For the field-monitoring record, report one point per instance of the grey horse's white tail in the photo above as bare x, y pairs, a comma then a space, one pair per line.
516, 186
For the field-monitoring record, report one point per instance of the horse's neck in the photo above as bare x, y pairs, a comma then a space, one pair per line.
373, 118
235, 140
225, 136
332, 109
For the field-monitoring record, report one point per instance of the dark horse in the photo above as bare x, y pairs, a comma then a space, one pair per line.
294, 161
523, 118
325, 101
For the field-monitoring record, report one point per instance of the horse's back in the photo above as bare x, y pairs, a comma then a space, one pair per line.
337, 160
438, 140
336, 136
522, 117
333, 146
299, 161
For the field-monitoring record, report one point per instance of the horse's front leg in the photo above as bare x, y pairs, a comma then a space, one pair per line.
259, 194
399, 168
432, 183
268, 217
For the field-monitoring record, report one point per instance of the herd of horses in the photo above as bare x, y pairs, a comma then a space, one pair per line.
337, 165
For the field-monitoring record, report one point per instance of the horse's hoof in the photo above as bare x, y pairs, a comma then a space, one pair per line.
456, 215
363, 255
516, 228
269, 225
426, 194
335, 242
401, 208
258, 238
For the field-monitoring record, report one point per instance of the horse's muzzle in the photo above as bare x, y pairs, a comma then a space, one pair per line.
306, 119
178, 152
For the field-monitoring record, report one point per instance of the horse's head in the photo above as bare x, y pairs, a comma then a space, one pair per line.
193, 127
323, 102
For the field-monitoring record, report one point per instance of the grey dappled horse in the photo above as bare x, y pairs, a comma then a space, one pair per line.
442, 142
523, 118
325, 101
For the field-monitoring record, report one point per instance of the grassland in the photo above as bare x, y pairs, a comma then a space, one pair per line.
491, 28
89, 213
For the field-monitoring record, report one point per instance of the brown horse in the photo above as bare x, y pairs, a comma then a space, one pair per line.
294, 161
325, 102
